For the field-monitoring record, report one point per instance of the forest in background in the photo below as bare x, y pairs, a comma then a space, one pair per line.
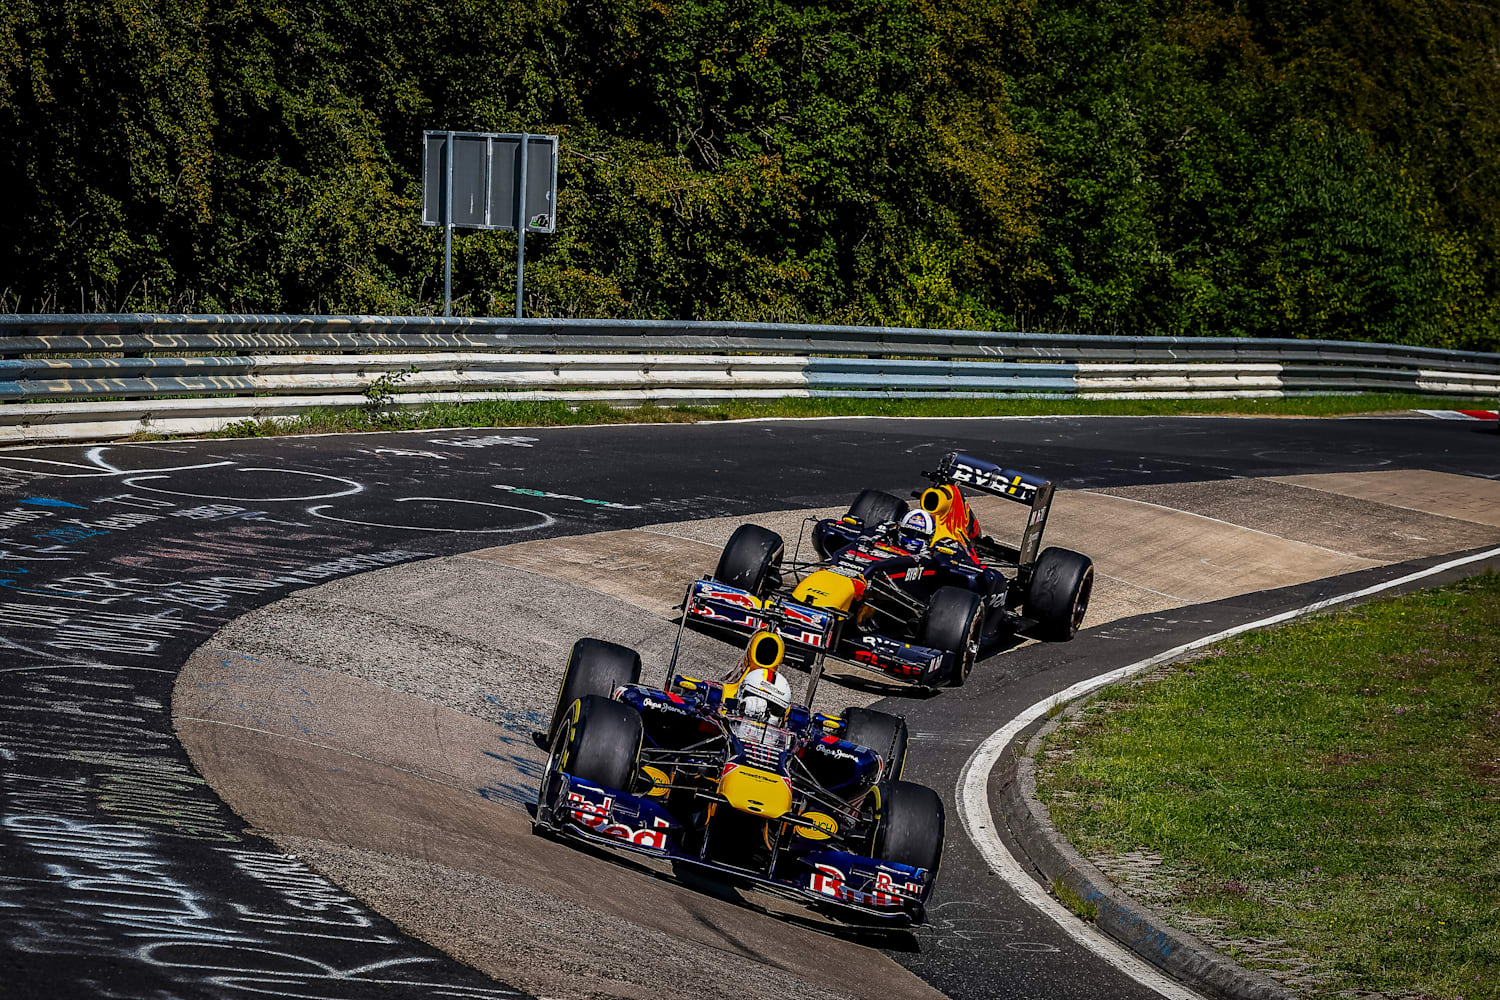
1289, 168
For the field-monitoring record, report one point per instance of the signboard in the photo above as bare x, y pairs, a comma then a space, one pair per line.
489, 180
486, 175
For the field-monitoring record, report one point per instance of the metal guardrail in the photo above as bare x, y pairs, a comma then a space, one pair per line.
83, 377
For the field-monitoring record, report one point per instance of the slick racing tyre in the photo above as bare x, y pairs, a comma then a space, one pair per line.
909, 830
752, 560
884, 733
875, 507
1058, 595
955, 622
594, 667
600, 741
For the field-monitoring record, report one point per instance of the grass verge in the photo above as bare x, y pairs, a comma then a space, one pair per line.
1069, 897
1329, 789
503, 413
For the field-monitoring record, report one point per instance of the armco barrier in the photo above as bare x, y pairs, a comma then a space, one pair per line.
85, 377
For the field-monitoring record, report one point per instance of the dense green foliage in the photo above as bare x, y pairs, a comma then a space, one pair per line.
1271, 169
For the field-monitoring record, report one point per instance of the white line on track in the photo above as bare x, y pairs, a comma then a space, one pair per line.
651, 530
974, 799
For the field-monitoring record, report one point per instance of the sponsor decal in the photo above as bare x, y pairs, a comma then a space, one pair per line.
805, 638
660, 778
823, 826
814, 619
832, 749
1000, 480
745, 619
663, 705
736, 597
895, 657
885, 884
826, 880
831, 882
596, 816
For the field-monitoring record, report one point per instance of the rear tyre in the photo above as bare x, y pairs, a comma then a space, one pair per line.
594, 667
875, 507
752, 560
880, 731
909, 830
600, 741
955, 622
1058, 596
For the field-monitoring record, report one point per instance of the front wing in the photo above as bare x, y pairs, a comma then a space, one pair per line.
827, 877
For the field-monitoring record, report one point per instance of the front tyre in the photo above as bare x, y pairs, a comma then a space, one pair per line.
594, 667
909, 826
1058, 595
954, 622
752, 560
600, 741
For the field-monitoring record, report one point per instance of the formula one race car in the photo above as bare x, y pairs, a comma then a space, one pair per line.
733, 777
919, 593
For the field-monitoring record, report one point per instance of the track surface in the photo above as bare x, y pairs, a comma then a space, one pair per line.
124, 875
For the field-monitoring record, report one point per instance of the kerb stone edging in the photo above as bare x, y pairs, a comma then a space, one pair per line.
1179, 954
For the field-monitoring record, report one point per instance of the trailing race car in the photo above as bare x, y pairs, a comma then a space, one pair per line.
733, 776
919, 593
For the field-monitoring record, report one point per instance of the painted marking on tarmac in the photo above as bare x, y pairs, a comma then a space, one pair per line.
546, 520
974, 800
510, 440
50, 502
350, 487
549, 495
93, 471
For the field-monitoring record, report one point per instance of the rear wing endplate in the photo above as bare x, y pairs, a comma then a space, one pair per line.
1022, 487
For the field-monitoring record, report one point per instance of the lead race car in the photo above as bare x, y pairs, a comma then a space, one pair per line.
918, 593
734, 777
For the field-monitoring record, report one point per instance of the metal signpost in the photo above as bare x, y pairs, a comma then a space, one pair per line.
488, 180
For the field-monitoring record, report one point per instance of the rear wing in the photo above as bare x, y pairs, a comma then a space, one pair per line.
711, 601
814, 630
1033, 491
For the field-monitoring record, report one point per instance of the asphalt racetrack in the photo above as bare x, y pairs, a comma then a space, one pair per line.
346, 639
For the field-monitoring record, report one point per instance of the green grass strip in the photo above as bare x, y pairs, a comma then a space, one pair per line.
1333, 785
503, 413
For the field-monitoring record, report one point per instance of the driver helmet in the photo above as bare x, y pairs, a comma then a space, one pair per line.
765, 695
917, 528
